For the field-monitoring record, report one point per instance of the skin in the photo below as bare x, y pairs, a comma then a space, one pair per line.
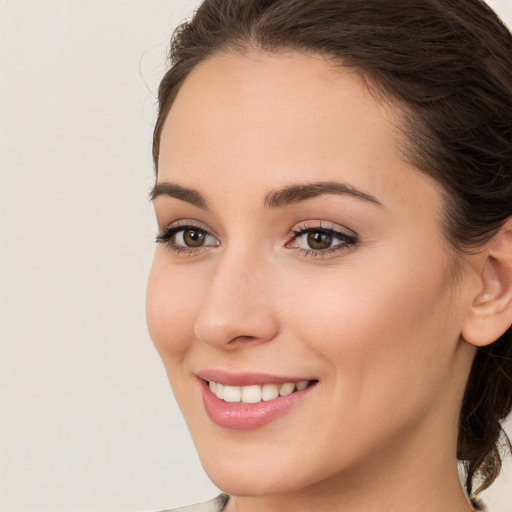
377, 323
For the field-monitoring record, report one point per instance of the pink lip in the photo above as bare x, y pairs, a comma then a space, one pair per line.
246, 379
240, 416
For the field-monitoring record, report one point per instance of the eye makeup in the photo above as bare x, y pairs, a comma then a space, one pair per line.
317, 240
309, 239
186, 237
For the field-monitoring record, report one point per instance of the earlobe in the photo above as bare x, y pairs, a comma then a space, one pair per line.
490, 313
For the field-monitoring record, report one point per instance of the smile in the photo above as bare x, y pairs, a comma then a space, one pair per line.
256, 393
262, 400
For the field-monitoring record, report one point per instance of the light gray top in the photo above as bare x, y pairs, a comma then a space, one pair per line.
216, 505
219, 503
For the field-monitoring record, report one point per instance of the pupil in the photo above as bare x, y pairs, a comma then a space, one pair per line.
193, 238
317, 240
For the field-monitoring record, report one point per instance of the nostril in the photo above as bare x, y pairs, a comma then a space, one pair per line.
243, 339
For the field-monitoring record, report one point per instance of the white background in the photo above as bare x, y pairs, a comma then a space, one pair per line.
87, 420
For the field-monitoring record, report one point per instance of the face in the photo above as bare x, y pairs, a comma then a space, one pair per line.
300, 256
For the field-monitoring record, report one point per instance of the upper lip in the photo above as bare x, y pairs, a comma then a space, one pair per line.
246, 379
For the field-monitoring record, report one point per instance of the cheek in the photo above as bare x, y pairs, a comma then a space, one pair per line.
387, 323
172, 304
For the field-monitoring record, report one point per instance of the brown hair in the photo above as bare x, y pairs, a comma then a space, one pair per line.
449, 64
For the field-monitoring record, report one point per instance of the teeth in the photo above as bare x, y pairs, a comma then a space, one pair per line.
251, 394
232, 393
286, 389
300, 385
269, 392
219, 390
255, 394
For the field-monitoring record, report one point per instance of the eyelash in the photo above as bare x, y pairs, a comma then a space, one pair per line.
166, 237
347, 242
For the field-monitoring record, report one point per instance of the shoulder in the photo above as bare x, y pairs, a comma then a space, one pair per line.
215, 505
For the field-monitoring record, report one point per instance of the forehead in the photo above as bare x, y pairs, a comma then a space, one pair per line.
268, 119
270, 90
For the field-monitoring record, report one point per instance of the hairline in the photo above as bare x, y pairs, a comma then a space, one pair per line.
405, 123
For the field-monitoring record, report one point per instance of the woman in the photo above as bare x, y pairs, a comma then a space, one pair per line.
331, 293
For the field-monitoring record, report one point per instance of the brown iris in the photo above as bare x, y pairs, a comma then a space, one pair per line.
318, 240
193, 237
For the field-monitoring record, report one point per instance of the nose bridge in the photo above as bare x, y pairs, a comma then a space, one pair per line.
237, 306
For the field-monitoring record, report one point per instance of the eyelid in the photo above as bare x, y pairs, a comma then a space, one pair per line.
320, 225
166, 235
183, 223
348, 238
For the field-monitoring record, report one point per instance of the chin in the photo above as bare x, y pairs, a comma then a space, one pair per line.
261, 470
246, 481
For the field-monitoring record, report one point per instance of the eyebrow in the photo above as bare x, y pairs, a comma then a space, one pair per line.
178, 192
296, 193
274, 199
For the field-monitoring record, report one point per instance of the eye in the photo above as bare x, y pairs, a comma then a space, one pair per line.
190, 237
320, 240
186, 238
317, 240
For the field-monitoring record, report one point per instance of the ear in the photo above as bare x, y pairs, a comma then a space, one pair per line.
490, 313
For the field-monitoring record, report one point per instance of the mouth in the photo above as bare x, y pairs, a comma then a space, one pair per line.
256, 393
247, 402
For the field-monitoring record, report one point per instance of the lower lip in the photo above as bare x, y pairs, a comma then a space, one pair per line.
240, 416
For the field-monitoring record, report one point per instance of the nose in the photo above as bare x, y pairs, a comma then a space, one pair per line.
237, 308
